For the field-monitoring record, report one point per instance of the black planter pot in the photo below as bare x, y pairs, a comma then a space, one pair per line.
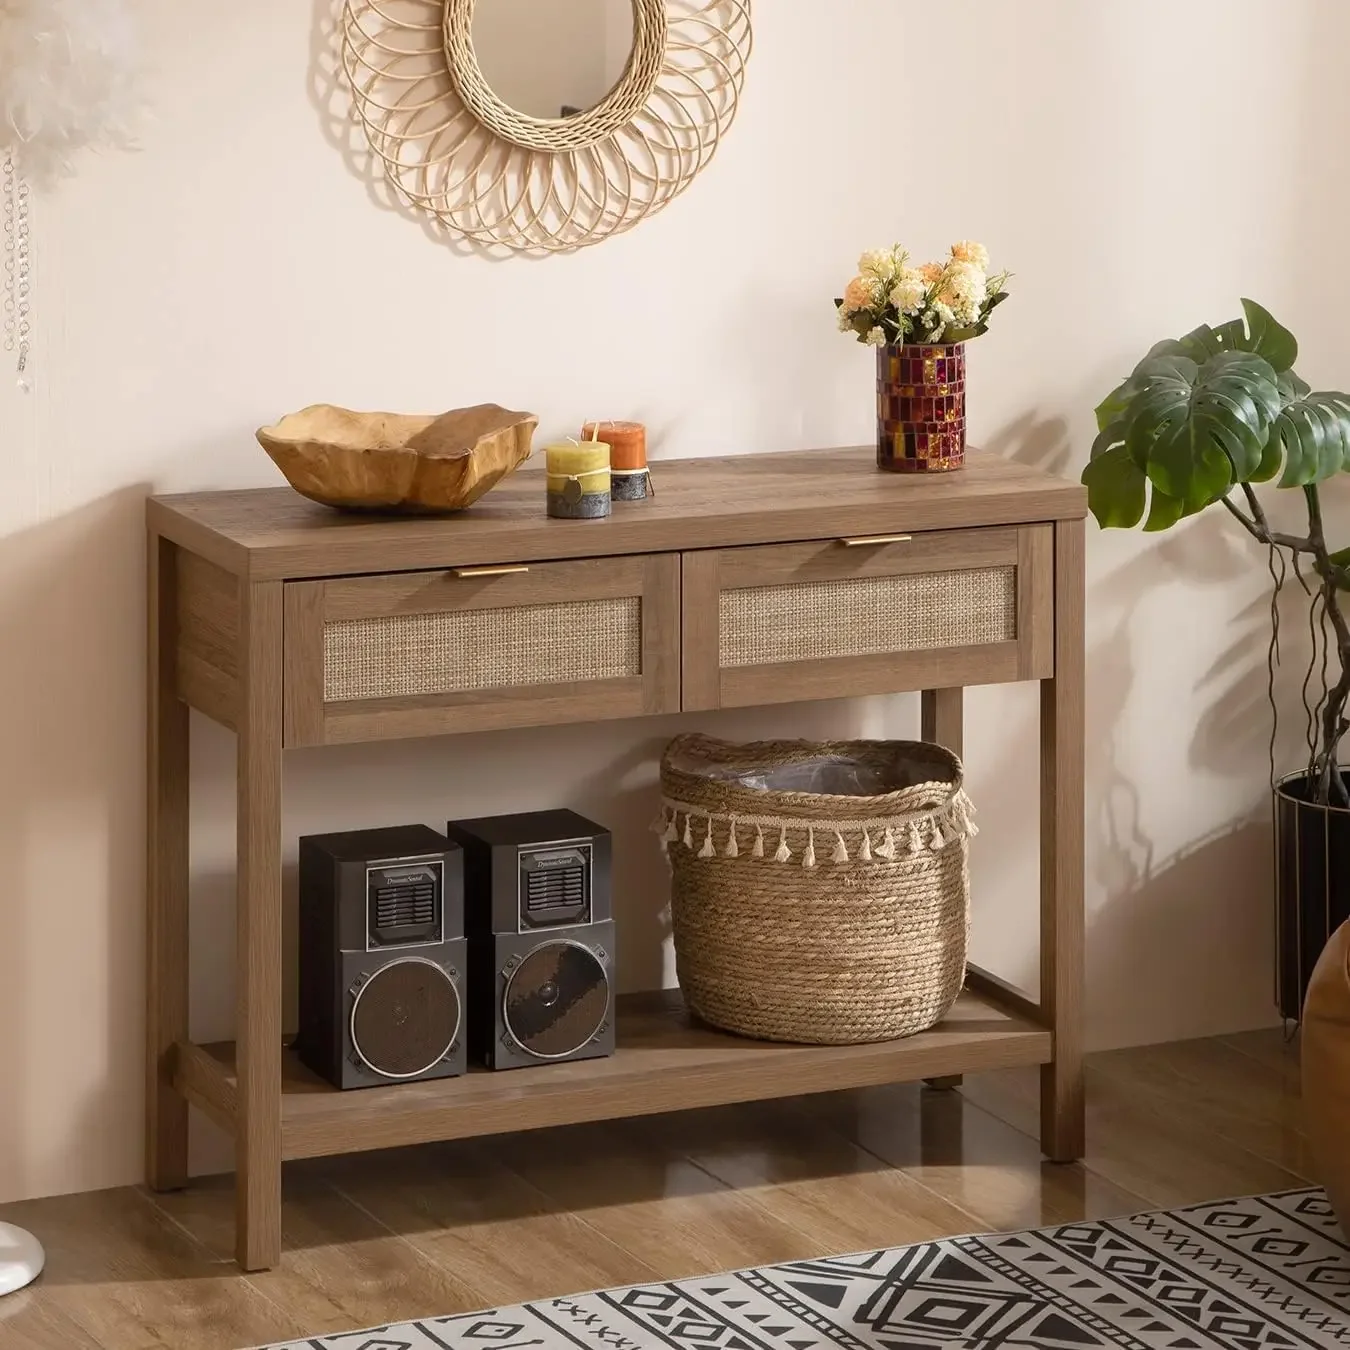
1312, 885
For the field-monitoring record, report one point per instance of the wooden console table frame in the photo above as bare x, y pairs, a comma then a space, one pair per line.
241, 585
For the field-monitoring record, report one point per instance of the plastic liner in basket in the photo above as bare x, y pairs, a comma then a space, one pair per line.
862, 934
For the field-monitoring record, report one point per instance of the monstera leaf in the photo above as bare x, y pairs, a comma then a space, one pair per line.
1206, 412
1261, 335
1313, 432
1189, 430
1117, 488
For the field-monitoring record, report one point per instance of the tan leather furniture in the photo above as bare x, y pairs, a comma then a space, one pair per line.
1326, 1070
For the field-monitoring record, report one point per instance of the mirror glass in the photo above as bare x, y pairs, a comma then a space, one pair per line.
552, 58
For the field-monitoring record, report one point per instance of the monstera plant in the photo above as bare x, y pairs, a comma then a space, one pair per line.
1202, 421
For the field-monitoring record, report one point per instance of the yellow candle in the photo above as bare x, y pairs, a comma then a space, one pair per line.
578, 480
577, 469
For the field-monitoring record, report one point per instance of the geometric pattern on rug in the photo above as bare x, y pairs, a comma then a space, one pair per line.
1265, 1273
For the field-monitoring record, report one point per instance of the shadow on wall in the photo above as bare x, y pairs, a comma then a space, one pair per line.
1197, 919
328, 93
1206, 913
71, 721
1186, 923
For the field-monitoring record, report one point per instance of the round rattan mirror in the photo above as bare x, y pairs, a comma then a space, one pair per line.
543, 125
555, 74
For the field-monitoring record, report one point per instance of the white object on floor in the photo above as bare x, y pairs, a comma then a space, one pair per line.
21, 1258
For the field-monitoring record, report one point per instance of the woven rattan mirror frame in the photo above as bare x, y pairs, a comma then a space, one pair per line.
449, 146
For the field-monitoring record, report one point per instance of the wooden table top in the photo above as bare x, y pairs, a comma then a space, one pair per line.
272, 533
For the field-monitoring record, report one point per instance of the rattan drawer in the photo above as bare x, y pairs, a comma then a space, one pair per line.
866, 616
421, 653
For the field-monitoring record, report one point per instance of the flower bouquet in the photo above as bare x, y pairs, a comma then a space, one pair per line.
919, 318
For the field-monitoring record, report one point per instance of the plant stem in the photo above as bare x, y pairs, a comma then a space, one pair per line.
1329, 785
1259, 527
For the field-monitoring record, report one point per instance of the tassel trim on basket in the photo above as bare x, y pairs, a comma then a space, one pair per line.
710, 834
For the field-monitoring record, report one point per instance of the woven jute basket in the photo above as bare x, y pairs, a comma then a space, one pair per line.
813, 917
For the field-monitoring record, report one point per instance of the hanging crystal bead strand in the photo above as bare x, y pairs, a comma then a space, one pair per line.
18, 268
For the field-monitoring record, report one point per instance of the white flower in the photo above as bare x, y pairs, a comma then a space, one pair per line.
876, 338
910, 291
965, 315
965, 292
845, 321
878, 262
967, 283
935, 321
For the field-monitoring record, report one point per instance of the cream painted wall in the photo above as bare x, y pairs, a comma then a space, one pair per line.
1139, 164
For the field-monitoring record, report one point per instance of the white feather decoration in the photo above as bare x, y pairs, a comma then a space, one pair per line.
67, 81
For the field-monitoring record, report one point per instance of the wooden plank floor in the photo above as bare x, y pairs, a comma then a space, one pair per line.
451, 1227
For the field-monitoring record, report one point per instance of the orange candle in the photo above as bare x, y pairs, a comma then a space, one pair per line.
627, 442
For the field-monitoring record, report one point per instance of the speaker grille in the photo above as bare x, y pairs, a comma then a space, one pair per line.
555, 886
556, 999
409, 903
405, 1018
546, 890
404, 904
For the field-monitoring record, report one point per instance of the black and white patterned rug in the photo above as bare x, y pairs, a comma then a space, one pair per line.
1267, 1273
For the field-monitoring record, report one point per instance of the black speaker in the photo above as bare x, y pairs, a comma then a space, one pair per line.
382, 956
541, 938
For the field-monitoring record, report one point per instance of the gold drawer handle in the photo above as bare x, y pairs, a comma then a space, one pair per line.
867, 540
465, 573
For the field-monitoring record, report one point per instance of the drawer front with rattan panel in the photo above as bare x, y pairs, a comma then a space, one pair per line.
404, 655
862, 616
877, 615
421, 653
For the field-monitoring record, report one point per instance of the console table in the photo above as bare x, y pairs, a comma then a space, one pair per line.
295, 625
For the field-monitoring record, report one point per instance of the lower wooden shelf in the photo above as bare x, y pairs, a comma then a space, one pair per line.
664, 1062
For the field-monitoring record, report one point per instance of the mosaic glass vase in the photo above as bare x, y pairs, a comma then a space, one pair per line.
921, 408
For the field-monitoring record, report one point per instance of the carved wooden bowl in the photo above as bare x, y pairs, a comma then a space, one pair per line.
359, 461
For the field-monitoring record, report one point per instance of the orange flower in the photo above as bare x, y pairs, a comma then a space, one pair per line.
860, 293
930, 272
968, 251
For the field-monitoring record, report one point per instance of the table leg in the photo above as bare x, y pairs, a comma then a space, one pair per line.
166, 1021
941, 718
258, 1011
1062, 751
